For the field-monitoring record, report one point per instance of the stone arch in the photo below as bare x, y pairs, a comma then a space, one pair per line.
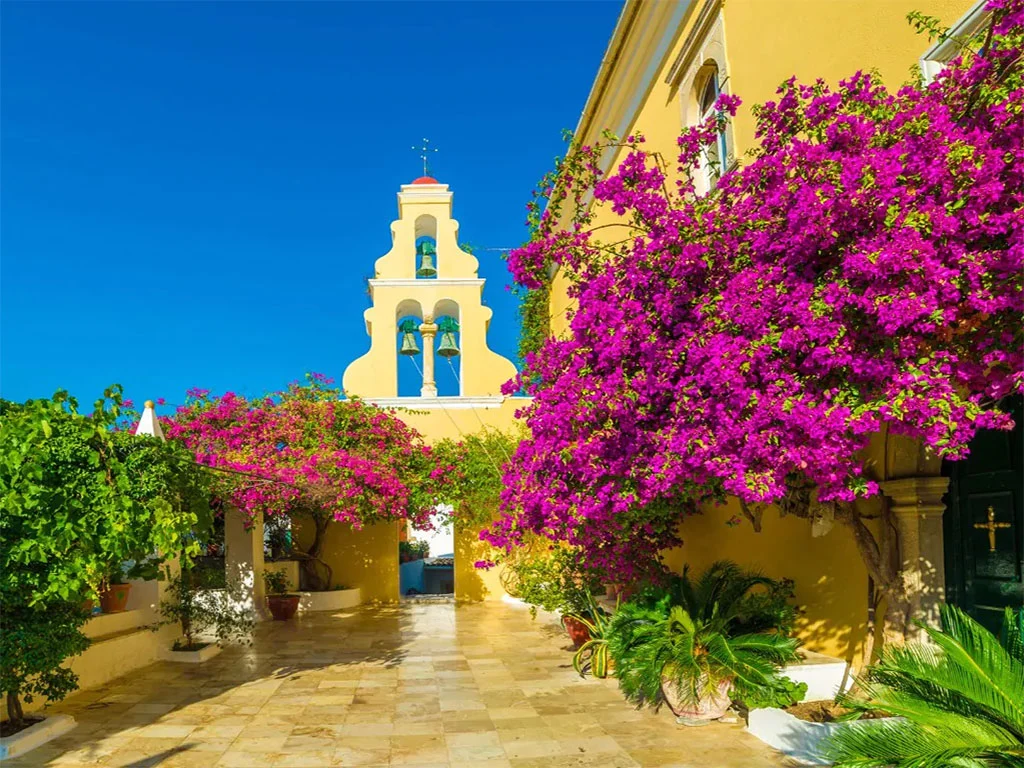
409, 378
449, 371
425, 236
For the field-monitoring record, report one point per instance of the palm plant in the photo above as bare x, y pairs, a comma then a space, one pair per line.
703, 638
959, 701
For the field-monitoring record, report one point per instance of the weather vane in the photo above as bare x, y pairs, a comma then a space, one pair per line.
425, 151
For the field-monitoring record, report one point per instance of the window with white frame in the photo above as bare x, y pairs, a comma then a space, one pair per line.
717, 153
700, 72
965, 34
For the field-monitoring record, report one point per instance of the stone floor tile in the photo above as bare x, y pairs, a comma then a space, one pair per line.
410, 685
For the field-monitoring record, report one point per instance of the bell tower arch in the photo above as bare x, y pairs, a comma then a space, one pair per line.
427, 307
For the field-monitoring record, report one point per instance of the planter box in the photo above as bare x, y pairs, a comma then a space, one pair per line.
193, 657
332, 600
35, 736
825, 675
790, 735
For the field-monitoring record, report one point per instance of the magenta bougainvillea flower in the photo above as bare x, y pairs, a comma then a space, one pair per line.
861, 271
304, 449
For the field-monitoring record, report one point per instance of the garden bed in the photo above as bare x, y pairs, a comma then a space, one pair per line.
199, 653
330, 600
798, 731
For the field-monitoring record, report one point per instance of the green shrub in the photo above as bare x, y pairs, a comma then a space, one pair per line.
199, 611
554, 580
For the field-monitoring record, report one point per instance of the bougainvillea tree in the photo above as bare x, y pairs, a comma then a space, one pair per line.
860, 272
305, 452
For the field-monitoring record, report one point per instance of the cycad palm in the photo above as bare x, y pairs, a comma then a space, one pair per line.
717, 627
960, 702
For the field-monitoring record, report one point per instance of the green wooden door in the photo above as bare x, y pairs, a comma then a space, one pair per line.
984, 525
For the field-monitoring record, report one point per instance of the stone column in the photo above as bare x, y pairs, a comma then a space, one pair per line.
917, 506
243, 560
428, 329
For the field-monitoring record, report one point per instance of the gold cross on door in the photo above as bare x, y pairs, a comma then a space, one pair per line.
991, 527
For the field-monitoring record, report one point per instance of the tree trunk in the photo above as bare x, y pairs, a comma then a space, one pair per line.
14, 711
312, 576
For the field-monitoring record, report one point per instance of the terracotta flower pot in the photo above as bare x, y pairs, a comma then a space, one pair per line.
115, 598
708, 707
578, 632
283, 607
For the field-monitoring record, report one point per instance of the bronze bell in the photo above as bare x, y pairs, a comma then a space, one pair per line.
426, 252
448, 328
409, 345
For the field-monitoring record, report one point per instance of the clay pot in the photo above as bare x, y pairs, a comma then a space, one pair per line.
115, 598
283, 607
708, 707
578, 632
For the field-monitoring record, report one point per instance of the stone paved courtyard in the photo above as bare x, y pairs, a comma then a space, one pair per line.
415, 685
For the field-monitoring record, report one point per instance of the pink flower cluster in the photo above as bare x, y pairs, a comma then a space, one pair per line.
863, 271
305, 449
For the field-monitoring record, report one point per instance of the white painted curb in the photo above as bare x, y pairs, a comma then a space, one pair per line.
192, 657
35, 736
331, 600
790, 735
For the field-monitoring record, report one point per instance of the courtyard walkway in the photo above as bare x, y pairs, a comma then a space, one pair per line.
415, 685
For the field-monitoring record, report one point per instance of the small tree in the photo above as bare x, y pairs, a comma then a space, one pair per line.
78, 499
199, 610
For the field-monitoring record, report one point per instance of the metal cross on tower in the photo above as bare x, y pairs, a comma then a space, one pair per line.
425, 151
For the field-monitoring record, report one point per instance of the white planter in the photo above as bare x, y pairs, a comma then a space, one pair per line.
332, 600
790, 735
35, 736
825, 675
205, 653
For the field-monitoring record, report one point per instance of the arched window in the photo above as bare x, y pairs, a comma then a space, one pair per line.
426, 246
408, 348
448, 362
716, 154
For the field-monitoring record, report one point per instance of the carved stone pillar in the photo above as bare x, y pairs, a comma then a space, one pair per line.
428, 329
917, 506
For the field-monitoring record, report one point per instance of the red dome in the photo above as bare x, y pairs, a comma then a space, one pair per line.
426, 180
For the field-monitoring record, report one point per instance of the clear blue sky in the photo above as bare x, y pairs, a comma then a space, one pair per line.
174, 175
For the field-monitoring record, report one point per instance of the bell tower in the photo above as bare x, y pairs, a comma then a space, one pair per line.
427, 305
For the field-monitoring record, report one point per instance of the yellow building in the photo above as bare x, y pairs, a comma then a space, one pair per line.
424, 284
664, 67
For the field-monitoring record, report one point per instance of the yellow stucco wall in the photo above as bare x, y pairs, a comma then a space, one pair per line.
830, 579
475, 583
366, 558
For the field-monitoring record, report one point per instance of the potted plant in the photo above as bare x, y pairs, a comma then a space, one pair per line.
703, 640
592, 654
556, 581
282, 605
115, 590
202, 613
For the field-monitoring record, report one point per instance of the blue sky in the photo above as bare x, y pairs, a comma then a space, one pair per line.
174, 175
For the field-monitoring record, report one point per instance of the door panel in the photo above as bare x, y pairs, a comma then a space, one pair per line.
984, 525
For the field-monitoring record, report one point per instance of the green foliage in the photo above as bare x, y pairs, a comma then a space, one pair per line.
593, 655
726, 625
275, 582
784, 693
78, 499
958, 701
534, 318
469, 474
554, 580
413, 550
200, 610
